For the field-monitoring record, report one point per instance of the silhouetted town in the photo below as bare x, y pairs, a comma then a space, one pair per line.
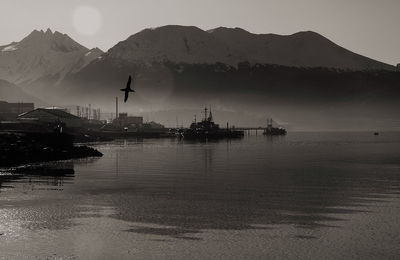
79, 121
29, 134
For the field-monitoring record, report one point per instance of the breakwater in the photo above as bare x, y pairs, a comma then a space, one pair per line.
18, 148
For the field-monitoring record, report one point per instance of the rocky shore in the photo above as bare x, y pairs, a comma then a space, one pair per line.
21, 148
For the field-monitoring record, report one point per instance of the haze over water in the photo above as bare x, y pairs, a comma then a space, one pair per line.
325, 195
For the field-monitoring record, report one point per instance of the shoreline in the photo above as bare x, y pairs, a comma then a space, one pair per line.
23, 148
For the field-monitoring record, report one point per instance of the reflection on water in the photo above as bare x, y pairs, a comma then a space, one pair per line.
50, 176
179, 189
236, 184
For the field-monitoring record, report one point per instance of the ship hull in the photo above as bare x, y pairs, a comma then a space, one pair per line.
203, 135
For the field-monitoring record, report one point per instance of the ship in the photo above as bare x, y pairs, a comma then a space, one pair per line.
207, 129
270, 130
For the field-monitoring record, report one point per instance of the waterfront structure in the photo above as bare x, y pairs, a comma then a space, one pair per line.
52, 115
271, 130
123, 120
10, 111
89, 112
207, 129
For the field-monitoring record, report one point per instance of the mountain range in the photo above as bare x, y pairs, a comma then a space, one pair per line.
12, 93
43, 55
52, 54
189, 44
186, 67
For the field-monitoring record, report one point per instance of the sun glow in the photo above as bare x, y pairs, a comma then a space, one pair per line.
87, 20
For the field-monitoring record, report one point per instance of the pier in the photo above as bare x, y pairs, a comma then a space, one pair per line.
248, 130
268, 130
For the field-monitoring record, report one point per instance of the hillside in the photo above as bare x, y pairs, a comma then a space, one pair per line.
43, 54
302, 49
149, 54
11, 93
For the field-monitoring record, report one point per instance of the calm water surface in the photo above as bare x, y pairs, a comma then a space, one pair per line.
306, 195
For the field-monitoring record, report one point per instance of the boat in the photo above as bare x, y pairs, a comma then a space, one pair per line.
376, 133
207, 129
176, 132
270, 130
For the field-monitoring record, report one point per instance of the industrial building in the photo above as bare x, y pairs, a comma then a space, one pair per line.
52, 115
123, 120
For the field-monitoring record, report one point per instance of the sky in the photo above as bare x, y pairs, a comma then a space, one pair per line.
367, 27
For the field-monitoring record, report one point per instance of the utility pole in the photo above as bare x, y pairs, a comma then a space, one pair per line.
116, 107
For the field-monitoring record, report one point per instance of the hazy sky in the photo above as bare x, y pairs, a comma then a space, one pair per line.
368, 27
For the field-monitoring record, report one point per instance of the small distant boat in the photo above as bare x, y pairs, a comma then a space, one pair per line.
376, 133
270, 130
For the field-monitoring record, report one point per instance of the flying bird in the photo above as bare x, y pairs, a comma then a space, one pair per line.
128, 88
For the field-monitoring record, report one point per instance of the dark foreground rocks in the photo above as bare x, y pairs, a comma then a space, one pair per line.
22, 148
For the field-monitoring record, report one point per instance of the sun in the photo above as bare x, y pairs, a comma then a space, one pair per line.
87, 20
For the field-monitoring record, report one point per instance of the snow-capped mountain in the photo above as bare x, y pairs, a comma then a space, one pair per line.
174, 43
186, 67
158, 56
302, 49
189, 44
172, 60
43, 54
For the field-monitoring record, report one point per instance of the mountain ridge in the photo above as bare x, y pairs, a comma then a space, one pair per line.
190, 44
300, 49
154, 55
41, 54
172, 43
295, 77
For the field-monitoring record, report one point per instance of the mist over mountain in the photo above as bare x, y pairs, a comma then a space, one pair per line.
146, 54
12, 93
303, 80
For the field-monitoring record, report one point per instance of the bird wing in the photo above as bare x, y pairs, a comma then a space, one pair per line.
128, 84
126, 96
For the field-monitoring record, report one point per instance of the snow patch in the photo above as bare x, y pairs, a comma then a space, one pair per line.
10, 48
87, 54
